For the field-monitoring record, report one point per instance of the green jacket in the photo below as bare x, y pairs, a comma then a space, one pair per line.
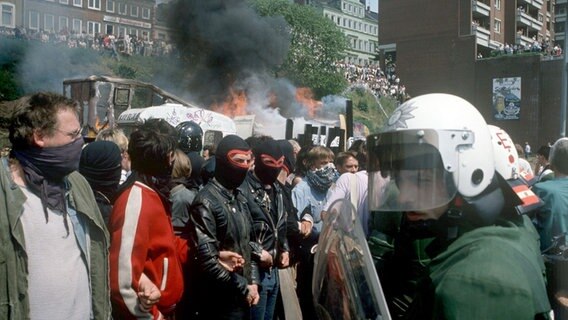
552, 219
14, 300
493, 272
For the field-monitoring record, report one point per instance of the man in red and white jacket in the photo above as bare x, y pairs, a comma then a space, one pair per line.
145, 256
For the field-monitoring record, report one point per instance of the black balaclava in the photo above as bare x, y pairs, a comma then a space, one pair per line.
268, 161
100, 165
288, 152
229, 173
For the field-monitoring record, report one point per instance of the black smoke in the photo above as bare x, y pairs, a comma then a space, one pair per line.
223, 43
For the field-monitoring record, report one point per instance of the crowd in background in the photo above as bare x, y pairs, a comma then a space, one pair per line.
383, 83
105, 43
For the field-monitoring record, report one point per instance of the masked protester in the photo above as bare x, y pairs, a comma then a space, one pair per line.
101, 165
264, 200
482, 260
145, 256
54, 243
309, 197
220, 220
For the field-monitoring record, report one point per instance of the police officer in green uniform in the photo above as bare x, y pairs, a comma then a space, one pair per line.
462, 251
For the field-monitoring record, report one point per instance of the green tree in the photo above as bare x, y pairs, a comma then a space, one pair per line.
316, 44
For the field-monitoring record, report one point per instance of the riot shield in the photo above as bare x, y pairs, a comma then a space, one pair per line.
345, 283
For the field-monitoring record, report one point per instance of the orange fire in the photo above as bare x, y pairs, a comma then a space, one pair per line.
234, 105
305, 96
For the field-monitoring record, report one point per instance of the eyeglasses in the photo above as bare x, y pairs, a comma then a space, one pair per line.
71, 134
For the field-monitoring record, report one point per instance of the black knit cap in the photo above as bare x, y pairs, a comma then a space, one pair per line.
100, 164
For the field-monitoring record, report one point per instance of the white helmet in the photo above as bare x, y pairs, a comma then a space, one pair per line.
505, 153
434, 131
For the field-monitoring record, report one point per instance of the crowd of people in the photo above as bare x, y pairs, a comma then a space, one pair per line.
104, 43
383, 83
156, 225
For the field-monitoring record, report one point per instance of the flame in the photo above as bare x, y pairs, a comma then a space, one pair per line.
305, 96
234, 105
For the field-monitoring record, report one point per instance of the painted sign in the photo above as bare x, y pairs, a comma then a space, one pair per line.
507, 98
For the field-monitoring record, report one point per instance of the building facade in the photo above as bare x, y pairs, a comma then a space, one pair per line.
358, 23
91, 17
458, 47
560, 15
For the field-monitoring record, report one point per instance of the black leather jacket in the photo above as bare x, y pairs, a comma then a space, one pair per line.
219, 220
268, 214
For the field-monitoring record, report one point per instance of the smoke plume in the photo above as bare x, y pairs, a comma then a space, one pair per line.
225, 42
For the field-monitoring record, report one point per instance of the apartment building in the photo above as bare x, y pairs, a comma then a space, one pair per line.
118, 17
457, 47
560, 14
358, 23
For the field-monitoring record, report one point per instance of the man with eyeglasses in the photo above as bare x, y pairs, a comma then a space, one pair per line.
54, 250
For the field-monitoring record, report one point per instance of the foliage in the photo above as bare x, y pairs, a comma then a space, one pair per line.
369, 110
316, 44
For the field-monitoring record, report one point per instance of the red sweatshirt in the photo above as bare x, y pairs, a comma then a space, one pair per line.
143, 241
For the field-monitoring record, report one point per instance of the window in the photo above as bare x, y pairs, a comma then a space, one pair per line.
109, 29
95, 4
78, 3
34, 20
122, 8
145, 13
63, 24
77, 26
64, 1
121, 31
93, 28
49, 22
498, 4
110, 6
133, 32
134, 11
497, 26
146, 35
7, 18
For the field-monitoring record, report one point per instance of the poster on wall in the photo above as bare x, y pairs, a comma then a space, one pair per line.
507, 98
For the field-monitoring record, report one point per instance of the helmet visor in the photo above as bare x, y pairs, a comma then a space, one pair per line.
407, 172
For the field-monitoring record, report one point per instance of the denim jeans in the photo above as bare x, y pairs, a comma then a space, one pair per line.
268, 295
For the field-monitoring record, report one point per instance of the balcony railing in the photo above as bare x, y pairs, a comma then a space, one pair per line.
527, 20
480, 8
535, 3
523, 40
482, 37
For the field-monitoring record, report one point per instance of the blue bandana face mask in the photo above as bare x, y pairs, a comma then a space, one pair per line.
322, 178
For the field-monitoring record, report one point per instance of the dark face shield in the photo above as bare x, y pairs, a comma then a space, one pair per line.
407, 172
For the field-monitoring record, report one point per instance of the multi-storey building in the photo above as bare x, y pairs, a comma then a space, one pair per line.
467, 48
358, 23
118, 17
560, 13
